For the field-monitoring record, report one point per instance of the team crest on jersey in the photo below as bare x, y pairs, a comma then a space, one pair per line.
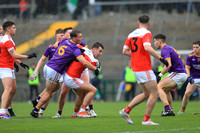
198, 59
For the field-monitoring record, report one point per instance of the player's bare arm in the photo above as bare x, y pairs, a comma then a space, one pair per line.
86, 63
166, 68
40, 62
16, 55
188, 71
151, 51
126, 52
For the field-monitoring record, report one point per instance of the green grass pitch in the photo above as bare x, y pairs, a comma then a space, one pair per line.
107, 121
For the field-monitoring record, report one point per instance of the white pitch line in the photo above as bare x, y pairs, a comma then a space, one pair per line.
176, 129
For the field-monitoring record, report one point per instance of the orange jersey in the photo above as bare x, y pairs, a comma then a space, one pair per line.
140, 58
6, 60
76, 68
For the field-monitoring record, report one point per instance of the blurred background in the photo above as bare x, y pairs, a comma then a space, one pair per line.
105, 21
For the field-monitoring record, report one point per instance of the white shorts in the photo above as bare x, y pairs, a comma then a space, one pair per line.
7, 72
179, 78
197, 82
85, 71
144, 76
61, 79
73, 83
51, 75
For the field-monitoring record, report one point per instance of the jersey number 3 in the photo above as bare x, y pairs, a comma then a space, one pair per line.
134, 46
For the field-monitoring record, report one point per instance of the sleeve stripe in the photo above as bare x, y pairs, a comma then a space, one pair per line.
146, 43
79, 56
187, 66
44, 56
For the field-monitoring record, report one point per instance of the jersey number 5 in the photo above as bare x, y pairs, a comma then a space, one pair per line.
134, 46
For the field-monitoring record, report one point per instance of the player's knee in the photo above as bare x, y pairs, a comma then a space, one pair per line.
94, 90
146, 94
13, 91
187, 94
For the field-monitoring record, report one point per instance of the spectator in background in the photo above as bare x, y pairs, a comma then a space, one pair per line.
130, 82
23, 10
81, 5
39, 8
197, 6
35, 83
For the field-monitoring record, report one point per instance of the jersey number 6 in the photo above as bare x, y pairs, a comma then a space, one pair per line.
61, 50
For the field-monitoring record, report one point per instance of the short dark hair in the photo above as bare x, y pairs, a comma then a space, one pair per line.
160, 36
68, 28
74, 33
7, 24
197, 42
59, 31
97, 45
143, 19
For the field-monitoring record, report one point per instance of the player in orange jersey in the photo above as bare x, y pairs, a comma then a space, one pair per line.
138, 47
8, 56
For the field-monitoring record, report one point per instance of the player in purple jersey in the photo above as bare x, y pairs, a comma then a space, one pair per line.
193, 74
62, 58
177, 73
65, 89
50, 50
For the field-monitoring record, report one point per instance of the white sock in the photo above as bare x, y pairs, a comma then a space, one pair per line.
3, 110
41, 111
82, 110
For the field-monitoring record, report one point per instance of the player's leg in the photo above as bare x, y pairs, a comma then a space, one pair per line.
61, 100
50, 88
10, 109
35, 101
189, 90
135, 101
43, 108
169, 98
151, 88
164, 85
79, 100
91, 91
7, 95
85, 77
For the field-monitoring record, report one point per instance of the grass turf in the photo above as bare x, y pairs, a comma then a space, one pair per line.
107, 121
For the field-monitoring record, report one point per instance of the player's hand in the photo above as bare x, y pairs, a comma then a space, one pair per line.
164, 61
98, 63
158, 78
32, 55
16, 67
24, 65
190, 80
33, 76
96, 72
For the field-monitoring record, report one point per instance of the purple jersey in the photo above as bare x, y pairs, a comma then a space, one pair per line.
65, 54
83, 44
169, 52
49, 51
193, 62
